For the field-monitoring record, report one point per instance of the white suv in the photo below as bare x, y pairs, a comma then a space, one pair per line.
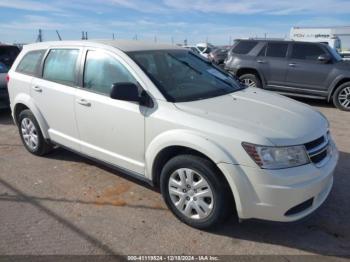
165, 115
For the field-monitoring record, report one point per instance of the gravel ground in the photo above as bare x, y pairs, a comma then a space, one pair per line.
65, 204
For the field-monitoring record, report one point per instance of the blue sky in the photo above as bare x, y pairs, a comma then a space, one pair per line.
195, 20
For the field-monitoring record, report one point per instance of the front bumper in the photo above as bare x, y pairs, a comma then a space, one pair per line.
271, 194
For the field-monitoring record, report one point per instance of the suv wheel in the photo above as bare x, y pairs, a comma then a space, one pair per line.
31, 135
250, 80
195, 192
341, 97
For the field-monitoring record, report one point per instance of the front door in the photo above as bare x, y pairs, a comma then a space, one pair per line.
110, 130
305, 72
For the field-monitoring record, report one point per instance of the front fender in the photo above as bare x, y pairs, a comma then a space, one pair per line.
189, 139
28, 102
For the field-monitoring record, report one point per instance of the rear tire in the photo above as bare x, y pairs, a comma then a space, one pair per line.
341, 97
31, 134
204, 199
250, 80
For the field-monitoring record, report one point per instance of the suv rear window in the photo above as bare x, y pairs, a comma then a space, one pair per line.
244, 47
30, 63
8, 55
277, 50
307, 51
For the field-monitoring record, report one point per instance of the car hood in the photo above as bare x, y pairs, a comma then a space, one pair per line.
279, 119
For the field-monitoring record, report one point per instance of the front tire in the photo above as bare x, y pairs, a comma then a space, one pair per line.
250, 80
341, 97
31, 134
195, 192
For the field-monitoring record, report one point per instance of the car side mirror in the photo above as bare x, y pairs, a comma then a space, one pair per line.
324, 58
125, 92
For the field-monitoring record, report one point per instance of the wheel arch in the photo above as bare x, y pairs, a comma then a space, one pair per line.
23, 102
337, 83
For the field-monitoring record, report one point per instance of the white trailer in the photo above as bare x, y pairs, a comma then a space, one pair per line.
320, 35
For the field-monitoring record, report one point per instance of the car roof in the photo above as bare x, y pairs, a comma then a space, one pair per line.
277, 41
124, 45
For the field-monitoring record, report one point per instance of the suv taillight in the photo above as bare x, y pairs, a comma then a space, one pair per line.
7, 78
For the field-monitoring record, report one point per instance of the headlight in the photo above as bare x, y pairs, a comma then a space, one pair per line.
277, 157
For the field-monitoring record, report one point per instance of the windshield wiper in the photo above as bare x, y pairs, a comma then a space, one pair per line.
186, 63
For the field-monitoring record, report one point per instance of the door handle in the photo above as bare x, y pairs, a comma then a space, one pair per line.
83, 102
292, 64
37, 89
261, 61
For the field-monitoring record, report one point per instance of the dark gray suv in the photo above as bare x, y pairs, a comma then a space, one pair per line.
291, 68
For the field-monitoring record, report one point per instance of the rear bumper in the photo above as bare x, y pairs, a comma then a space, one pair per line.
280, 195
4, 98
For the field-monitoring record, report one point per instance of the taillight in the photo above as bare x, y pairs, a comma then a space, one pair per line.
7, 78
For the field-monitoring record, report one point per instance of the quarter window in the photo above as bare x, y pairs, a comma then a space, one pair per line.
244, 47
30, 63
60, 66
307, 52
277, 50
102, 71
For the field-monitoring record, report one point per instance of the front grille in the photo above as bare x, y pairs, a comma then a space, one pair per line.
315, 143
318, 149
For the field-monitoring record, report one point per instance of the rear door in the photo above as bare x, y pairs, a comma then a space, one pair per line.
305, 72
54, 94
272, 63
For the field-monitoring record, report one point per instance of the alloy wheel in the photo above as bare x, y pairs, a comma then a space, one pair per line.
249, 82
29, 134
344, 97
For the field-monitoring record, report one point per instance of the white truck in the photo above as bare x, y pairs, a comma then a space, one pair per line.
320, 35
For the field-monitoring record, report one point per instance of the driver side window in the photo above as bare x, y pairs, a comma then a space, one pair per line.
102, 71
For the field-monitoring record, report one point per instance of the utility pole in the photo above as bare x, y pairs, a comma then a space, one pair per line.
84, 35
113, 37
40, 36
172, 40
58, 34
155, 39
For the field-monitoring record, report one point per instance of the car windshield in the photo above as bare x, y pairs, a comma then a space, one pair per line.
334, 53
183, 76
8, 55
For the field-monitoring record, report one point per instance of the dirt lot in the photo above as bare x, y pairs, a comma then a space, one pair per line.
65, 204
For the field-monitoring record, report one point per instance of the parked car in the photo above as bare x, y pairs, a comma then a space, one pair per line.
301, 69
8, 55
169, 117
202, 48
218, 55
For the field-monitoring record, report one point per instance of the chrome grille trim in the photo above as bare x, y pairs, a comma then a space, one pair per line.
319, 149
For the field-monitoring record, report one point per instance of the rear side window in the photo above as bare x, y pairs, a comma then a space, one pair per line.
102, 71
277, 50
3, 68
244, 47
60, 66
30, 63
307, 52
